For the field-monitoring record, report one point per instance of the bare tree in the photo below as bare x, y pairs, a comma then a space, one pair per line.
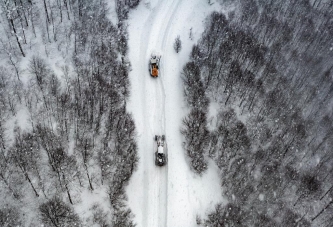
85, 148
11, 15
25, 155
63, 165
57, 213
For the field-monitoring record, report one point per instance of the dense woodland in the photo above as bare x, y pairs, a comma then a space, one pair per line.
64, 128
268, 66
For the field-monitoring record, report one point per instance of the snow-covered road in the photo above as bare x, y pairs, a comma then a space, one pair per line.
171, 195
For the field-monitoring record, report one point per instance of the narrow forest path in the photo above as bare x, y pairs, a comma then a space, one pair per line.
169, 195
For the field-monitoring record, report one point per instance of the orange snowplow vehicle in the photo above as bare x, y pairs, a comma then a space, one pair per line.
154, 64
154, 70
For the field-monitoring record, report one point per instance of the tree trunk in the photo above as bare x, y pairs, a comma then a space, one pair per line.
16, 196
47, 31
32, 23
60, 9
53, 27
16, 36
299, 198
326, 192
21, 22
28, 178
315, 217
41, 182
79, 2
14, 65
47, 15
226, 101
90, 184
65, 3
25, 17
69, 195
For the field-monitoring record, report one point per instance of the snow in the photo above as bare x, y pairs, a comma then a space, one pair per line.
19, 120
112, 14
212, 113
171, 195
261, 197
88, 199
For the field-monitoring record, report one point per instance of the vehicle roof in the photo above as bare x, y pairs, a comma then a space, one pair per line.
160, 149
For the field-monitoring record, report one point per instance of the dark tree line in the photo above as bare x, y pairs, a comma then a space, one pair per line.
268, 65
77, 133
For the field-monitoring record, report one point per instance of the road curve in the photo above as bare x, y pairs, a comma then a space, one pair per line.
148, 107
171, 195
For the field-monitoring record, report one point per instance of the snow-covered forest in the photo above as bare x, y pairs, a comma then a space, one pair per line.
244, 97
67, 143
266, 70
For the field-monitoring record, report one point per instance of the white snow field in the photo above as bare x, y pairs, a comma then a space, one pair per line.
171, 195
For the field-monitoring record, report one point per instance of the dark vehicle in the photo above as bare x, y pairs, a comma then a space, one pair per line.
160, 151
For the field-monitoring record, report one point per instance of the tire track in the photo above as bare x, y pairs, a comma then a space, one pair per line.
155, 211
147, 216
164, 202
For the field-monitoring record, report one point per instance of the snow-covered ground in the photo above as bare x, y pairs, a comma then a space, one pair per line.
171, 195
